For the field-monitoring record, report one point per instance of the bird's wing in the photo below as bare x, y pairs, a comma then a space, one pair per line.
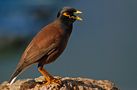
42, 44
33, 53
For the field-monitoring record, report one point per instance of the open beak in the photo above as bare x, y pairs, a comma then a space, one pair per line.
77, 17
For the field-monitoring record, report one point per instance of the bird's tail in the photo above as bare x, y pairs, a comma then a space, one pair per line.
14, 75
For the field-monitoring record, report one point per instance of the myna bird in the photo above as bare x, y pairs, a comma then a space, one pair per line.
48, 44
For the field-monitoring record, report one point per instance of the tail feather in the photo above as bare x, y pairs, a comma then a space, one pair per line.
14, 75
12, 80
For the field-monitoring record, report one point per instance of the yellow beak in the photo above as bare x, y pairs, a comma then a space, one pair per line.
77, 17
78, 12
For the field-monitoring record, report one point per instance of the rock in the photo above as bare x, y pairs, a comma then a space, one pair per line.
68, 83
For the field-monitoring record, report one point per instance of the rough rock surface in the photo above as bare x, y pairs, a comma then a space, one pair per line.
67, 84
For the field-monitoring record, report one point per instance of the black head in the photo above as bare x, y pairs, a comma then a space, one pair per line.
68, 15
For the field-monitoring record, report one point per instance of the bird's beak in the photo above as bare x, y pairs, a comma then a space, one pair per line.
78, 12
77, 17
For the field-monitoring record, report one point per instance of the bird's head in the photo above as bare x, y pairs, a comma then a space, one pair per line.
69, 15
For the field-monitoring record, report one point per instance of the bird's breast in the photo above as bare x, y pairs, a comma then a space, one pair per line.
63, 42
61, 45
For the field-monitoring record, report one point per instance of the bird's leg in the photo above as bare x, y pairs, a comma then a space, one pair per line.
50, 79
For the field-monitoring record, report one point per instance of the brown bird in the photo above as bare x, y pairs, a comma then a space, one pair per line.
48, 44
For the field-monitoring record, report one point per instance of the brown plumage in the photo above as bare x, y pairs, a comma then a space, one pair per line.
48, 44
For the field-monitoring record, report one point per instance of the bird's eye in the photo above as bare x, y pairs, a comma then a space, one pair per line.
66, 14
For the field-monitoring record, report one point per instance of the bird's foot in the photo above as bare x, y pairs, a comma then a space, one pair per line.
54, 81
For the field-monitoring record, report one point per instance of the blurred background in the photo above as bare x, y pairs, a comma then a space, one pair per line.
102, 46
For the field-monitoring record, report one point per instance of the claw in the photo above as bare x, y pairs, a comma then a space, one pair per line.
54, 81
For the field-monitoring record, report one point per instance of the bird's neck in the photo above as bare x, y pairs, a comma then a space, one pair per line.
65, 25
66, 22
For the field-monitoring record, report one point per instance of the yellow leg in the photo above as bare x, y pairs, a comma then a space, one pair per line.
50, 79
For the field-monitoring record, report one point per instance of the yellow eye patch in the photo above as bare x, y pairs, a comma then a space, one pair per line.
67, 15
